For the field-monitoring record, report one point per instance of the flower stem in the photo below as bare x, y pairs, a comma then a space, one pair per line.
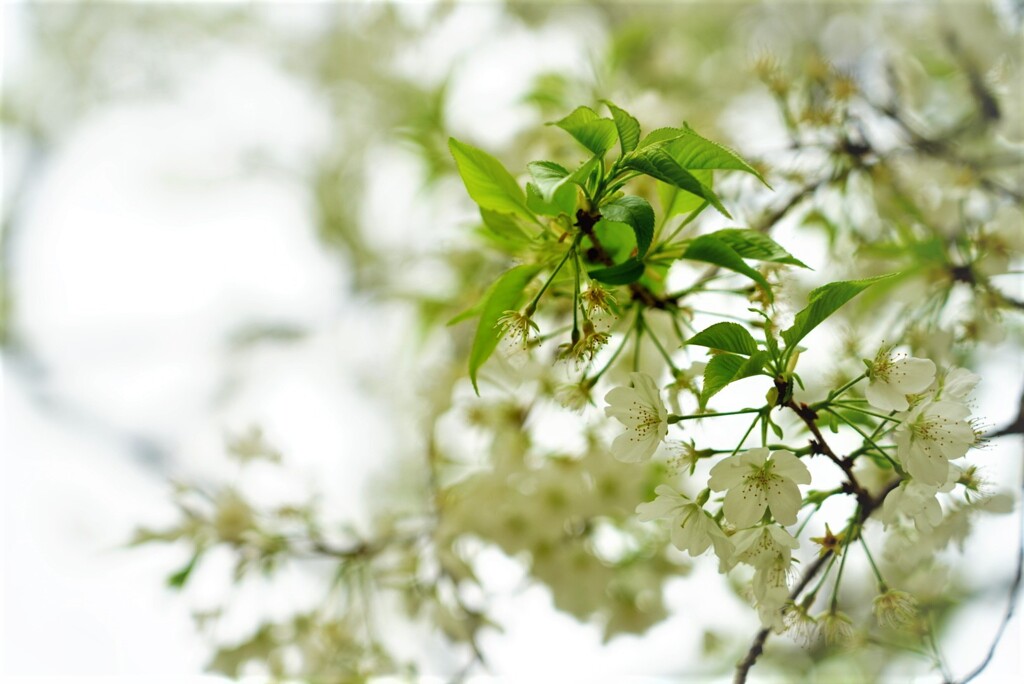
837, 393
842, 564
657, 343
568, 253
883, 587
858, 409
867, 439
675, 419
746, 434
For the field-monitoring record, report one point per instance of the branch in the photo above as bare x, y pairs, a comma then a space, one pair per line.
819, 445
867, 507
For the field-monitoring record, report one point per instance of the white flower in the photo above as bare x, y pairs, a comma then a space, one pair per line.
643, 413
693, 530
917, 501
957, 383
931, 435
756, 481
895, 609
892, 379
763, 547
771, 593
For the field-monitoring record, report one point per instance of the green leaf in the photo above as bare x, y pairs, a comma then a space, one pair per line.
694, 151
730, 337
657, 163
563, 201
504, 226
548, 176
710, 249
506, 294
675, 201
659, 136
625, 273
583, 174
752, 244
487, 181
823, 302
627, 126
593, 132
724, 369
617, 239
637, 214
471, 312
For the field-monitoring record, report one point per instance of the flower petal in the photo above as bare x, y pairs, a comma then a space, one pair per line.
784, 500
727, 473
884, 396
911, 375
744, 505
789, 466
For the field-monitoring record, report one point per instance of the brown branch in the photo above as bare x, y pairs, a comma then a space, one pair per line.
586, 221
867, 507
820, 446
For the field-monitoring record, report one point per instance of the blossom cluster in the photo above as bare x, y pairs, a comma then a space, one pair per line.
918, 413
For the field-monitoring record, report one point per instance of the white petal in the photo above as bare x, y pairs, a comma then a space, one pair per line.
789, 466
691, 535
948, 410
628, 448
727, 473
724, 550
620, 402
648, 392
744, 505
755, 457
784, 500
662, 507
958, 383
892, 504
884, 396
782, 538
926, 463
912, 375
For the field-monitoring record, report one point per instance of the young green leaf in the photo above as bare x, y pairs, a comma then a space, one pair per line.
675, 201
617, 239
487, 181
823, 302
506, 294
637, 214
504, 226
562, 202
548, 177
657, 163
659, 136
724, 369
694, 151
627, 126
710, 249
730, 337
625, 273
752, 244
582, 175
593, 132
